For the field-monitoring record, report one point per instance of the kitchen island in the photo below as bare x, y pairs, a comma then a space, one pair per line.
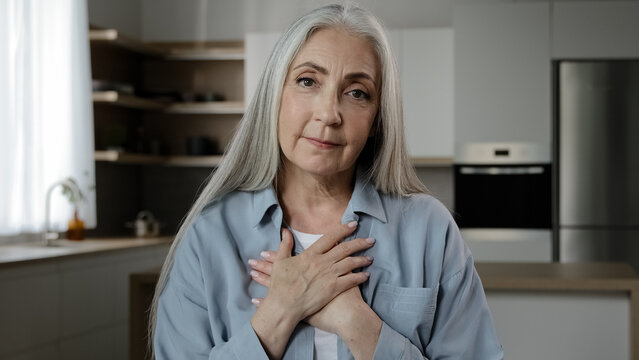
564, 310
541, 310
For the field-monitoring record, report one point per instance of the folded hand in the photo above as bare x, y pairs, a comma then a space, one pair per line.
333, 305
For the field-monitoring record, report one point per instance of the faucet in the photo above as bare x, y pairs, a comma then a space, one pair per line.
47, 235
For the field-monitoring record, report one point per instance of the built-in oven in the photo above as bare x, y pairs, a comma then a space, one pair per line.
503, 201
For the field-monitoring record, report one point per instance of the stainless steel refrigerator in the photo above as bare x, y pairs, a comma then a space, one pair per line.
597, 153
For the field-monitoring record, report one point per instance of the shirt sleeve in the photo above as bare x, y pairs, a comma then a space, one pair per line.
393, 345
183, 328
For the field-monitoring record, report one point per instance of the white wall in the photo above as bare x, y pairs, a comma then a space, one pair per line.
188, 20
192, 20
124, 15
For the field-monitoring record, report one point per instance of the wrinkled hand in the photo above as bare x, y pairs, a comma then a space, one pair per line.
337, 311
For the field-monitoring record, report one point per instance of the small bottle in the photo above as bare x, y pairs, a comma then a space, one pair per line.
75, 229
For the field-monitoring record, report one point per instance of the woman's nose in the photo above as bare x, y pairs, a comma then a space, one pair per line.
327, 109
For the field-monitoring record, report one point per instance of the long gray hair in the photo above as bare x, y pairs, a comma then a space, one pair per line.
252, 159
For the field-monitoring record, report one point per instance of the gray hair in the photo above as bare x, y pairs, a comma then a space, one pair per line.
252, 159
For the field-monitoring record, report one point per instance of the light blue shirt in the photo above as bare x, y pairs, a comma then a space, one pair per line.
423, 284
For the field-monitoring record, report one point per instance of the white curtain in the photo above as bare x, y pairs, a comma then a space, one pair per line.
46, 112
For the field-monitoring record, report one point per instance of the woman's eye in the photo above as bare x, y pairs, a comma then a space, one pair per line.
359, 94
306, 82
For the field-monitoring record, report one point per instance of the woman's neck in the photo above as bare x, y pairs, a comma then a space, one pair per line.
313, 203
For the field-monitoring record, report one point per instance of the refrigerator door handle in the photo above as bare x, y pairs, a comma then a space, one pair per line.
511, 170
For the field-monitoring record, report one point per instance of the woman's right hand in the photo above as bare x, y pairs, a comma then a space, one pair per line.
305, 283
302, 285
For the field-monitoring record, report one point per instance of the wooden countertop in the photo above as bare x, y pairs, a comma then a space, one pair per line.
32, 252
595, 276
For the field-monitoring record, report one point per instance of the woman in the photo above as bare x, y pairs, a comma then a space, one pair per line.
318, 168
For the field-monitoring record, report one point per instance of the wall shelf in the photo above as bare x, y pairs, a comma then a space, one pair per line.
171, 51
139, 108
193, 161
113, 37
219, 53
145, 159
127, 158
214, 160
128, 101
213, 107
204, 108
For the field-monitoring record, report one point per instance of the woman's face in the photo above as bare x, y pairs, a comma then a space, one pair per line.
329, 102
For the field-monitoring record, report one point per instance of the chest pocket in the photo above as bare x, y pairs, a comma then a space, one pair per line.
409, 311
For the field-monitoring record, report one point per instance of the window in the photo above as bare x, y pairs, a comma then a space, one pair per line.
46, 113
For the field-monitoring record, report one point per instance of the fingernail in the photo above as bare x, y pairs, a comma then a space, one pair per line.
352, 224
264, 254
370, 240
252, 262
255, 301
370, 258
254, 273
367, 274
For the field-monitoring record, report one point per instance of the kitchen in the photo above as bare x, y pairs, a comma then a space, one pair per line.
472, 72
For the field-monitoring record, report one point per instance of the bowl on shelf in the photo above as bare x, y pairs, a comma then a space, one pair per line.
104, 85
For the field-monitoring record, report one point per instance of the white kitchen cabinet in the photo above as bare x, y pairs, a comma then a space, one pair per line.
567, 325
502, 72
29, 311
98, 344
87, 297
595, 29
426, 67
70, 308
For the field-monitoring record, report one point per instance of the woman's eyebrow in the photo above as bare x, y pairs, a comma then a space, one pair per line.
360, 75
324, 71
314, 66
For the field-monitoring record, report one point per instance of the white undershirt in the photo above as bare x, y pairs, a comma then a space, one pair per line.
325, 342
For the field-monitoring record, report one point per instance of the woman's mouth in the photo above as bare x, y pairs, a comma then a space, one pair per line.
322, 144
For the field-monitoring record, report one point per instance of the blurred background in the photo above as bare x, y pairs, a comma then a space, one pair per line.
522, 117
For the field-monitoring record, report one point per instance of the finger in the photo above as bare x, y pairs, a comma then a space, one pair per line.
346, 248
351, 263
328, 241
286, 245
257, 301
263, 266
268, 255
351, 280
261, 278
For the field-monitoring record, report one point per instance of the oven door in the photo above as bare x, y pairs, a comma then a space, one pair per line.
504, 211
503, 196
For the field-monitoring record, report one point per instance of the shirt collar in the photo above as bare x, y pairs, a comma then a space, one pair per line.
263, 201
365, 199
